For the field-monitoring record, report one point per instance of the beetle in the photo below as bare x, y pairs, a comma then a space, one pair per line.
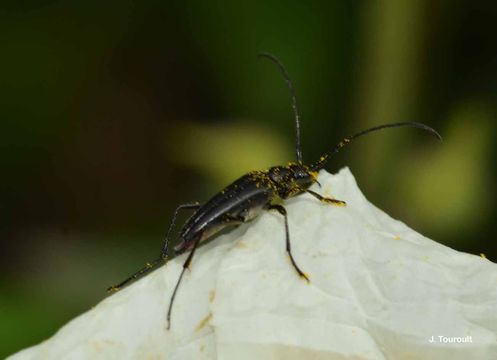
250, 195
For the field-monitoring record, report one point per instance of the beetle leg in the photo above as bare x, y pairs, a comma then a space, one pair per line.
282, 211
186, 265
327, 200
165, 246
145, 270
154, 264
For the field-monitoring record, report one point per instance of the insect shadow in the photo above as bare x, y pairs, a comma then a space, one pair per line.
250, 195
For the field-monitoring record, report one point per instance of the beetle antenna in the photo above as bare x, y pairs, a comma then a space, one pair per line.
278, 63
318, 165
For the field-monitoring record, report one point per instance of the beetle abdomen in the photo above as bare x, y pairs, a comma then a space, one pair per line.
241, 201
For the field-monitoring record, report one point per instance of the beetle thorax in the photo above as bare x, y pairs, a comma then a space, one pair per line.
292, 179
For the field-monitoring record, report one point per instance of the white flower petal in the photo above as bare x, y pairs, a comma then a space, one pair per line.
378, 290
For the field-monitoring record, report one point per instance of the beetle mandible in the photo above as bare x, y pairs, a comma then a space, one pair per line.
251, 194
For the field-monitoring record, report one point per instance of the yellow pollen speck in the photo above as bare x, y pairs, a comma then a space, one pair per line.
397, 237
212, 295
241, 244
483, 255
203, 322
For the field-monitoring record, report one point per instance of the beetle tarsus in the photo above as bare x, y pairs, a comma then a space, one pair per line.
113, 289
334, 202
327, 200
305, 277
301, 274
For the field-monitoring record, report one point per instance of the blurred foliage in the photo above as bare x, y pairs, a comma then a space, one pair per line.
456, 174
114, 112
231, 149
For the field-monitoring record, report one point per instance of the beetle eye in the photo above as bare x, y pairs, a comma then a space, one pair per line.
300, 173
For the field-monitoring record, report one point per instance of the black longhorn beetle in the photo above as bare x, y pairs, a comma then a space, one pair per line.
251, 194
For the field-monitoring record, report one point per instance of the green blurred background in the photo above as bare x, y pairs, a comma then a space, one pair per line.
114, 112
